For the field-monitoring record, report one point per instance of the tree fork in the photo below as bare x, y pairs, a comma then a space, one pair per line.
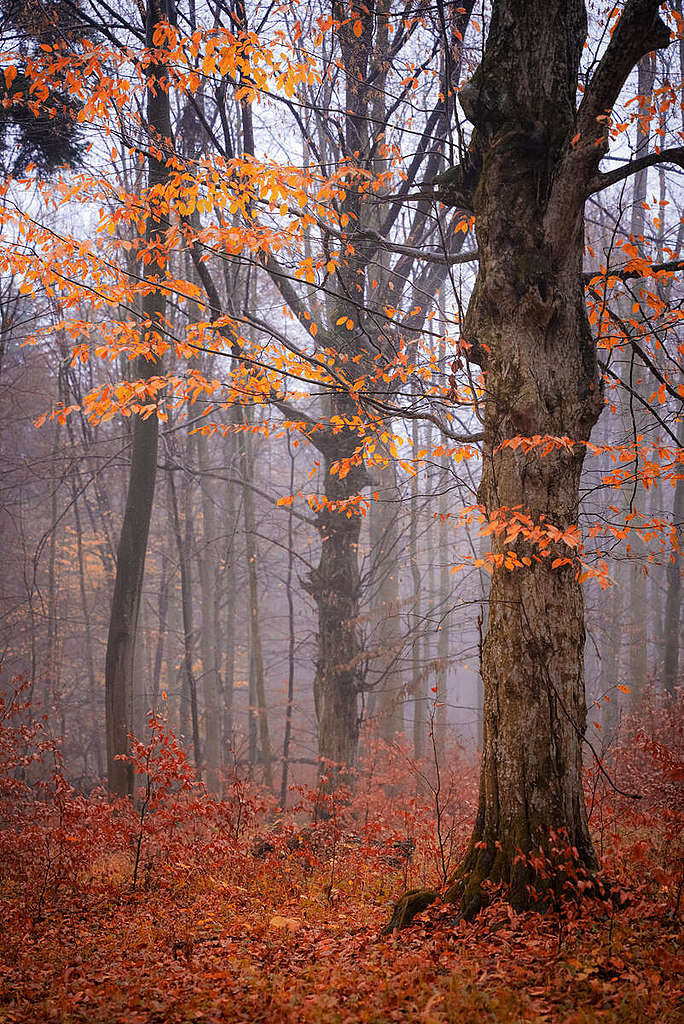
527, 315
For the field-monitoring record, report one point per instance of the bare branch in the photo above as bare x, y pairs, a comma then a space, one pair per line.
675, 155
639, 30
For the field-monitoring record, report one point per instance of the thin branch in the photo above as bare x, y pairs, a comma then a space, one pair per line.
672, 266
645, 358
635, 394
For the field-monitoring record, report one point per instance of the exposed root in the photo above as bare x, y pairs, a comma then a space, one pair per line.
410, 904
530, 883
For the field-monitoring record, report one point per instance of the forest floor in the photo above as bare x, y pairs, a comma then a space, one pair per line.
180, 908
281, 946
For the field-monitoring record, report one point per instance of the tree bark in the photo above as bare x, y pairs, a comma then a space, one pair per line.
638, 634
387, 685
418, 681
673, 600
132, 550
292, 637
528, 328
335, 586
183, 545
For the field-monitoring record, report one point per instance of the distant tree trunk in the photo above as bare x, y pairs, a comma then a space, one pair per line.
51, 673
208, 638
417, 676
132, 550
335, 586
230, 593
443, 614
163, 610
385, 542
88, 638
183, 544
256, 651
673, 600
613, 619
638, 604
292, 636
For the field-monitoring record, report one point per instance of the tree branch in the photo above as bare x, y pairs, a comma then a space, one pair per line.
639, 30
675, 155
635, 394
672, 266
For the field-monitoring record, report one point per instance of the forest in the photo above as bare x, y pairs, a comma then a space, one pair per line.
341, 510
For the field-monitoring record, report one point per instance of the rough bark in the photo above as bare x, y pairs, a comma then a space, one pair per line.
132, 549
541, 376
528, 328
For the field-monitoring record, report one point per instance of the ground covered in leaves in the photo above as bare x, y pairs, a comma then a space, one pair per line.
184, 908
230, 952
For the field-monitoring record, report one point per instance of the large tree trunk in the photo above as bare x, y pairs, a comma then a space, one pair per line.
541, 379
534, 158
132, 550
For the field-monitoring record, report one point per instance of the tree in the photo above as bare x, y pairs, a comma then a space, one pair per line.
533, 162
323, 232
132, 549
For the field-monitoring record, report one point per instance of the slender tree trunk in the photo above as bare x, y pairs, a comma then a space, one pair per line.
208, 639
388, 644
183, 547
444, 614
417, 676
51, 674
638, 604
132, 549
292, 637
163, 610
256, 651
673, 600
613, 618
230, 591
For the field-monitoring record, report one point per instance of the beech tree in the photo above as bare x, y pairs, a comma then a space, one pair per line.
533, 162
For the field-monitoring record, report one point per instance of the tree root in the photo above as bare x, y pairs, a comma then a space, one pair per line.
467, 893
409, 906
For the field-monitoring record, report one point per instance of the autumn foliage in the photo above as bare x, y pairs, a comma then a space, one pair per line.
191, 295
181, 907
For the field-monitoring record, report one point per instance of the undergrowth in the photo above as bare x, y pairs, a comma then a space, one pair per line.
180, 907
